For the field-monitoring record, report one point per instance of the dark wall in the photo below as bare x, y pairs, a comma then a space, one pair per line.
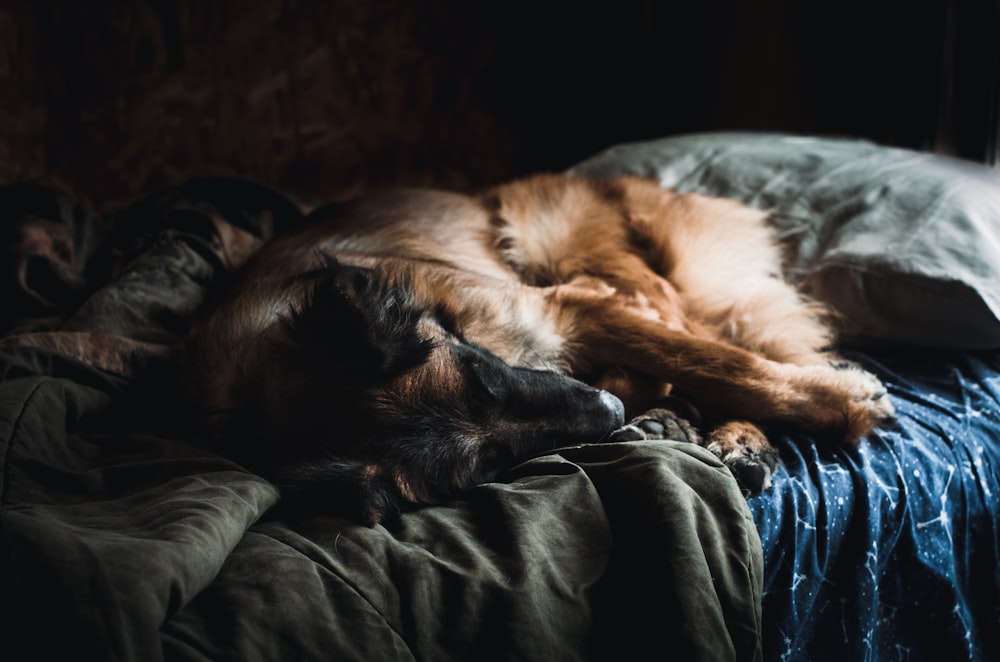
331, 97
871, 68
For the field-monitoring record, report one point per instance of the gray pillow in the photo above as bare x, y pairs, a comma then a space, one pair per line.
904, 245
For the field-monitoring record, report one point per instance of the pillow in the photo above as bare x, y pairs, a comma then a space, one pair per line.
904, 245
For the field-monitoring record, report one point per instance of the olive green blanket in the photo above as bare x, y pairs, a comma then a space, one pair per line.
119, 541
122, 545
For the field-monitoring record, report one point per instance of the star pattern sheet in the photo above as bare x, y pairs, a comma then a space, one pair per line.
890, 552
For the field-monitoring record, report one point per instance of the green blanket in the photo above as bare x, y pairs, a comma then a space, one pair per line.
119, 541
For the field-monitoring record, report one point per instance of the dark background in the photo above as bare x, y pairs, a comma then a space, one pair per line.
115, 99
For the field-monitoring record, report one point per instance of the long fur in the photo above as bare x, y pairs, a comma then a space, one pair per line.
365, 333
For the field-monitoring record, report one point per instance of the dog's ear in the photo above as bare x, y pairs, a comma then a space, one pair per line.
359, 318
359, 491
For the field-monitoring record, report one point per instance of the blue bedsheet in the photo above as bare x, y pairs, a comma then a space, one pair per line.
890, 551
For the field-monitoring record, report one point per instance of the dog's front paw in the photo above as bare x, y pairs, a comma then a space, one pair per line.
657, 424
744, 448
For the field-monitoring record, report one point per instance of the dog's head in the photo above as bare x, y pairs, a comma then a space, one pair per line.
368, 402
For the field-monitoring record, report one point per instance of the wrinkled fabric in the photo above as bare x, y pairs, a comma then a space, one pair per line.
103, 534
892, 551
122, 545
140, 271
535, 568
48, 240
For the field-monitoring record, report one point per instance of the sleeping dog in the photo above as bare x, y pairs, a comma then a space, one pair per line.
406, 345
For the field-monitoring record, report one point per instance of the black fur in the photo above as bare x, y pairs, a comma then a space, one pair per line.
405, 417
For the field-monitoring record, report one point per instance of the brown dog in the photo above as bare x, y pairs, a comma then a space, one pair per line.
409, 344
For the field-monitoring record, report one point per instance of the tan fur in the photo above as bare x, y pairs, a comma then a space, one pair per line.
641, 290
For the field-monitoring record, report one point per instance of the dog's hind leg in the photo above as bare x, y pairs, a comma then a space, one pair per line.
725, 260
724, 382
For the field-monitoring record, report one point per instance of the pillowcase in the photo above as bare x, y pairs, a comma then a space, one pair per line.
904, 245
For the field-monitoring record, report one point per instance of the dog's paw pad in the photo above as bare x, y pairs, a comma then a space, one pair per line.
657, 424
753, 468
653, 428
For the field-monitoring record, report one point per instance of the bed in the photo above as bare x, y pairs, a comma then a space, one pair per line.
121, 539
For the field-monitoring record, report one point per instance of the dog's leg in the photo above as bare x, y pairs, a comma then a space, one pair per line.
724, 259
731, 384
724, 381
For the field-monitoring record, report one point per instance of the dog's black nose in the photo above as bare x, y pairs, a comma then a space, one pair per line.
614, 407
